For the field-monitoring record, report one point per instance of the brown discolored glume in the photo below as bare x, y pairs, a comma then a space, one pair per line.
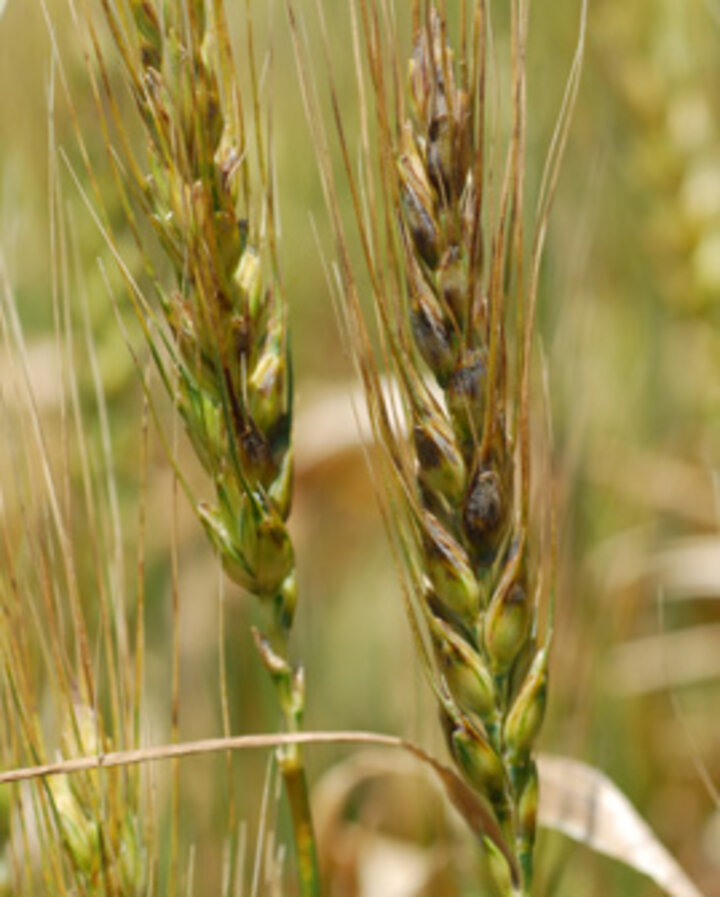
478, 594
485, 513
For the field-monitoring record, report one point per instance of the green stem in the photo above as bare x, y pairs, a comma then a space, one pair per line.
526, 867
291, 699
296, 787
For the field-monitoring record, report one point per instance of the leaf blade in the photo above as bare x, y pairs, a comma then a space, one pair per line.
583, 803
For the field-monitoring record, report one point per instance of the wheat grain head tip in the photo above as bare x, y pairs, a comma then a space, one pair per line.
441, 110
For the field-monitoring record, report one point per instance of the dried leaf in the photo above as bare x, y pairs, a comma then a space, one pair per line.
334, 421
685, 569
582, 803
393, 869
665, 661
655, 480
689, 568
399, 838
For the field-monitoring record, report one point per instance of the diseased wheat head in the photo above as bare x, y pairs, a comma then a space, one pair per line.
478, 577
440, 210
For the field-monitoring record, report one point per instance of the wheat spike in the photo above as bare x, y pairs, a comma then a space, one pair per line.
223, 348
440, 215
457, 295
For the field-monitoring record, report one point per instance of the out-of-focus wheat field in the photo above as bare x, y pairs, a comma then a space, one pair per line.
630, 365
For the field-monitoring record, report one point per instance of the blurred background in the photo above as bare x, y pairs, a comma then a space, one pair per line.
630, 326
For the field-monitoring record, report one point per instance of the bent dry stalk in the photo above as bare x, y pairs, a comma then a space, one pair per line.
440, 209
225, 330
